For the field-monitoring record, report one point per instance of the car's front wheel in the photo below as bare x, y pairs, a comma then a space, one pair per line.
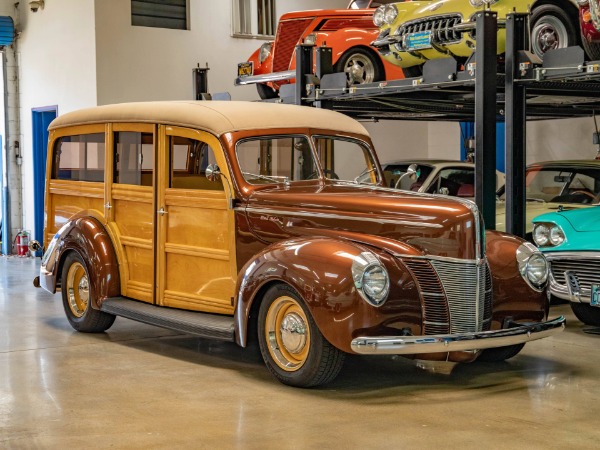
77, 296
360, 66
500, 353
590, 315
292, 346
552, 28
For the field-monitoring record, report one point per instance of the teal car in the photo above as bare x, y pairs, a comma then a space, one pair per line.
570, 241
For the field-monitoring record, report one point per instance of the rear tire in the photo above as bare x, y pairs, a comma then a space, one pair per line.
77, 296
360, 65
551, 28
592, 49
500, 354
588, 314
413, 72
292, 346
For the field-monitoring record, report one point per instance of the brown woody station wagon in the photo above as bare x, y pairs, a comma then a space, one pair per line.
241, 221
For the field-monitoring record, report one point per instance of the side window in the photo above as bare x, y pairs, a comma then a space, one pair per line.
79, 158
254, 18
134, 158
276, 160
189, 160
345, 159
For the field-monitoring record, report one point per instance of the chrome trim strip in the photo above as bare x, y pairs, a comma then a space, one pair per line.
413, 345
334, 216
566, 255
265, 78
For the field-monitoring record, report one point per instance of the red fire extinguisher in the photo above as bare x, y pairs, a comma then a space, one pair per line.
22, 241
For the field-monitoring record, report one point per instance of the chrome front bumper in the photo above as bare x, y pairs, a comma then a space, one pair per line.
413, 345
265, 78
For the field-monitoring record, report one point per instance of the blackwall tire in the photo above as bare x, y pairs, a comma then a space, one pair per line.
292, 346
551, 28
266, 92
590, 315
77, 298
500, 354
592, 49
413, 72
360, 65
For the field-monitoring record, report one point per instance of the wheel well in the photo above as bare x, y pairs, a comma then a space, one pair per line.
252, 327
61, 264
372, 52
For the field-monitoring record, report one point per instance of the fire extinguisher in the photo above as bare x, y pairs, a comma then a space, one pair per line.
22, 241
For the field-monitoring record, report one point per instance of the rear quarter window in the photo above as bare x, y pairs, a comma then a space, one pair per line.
79, 158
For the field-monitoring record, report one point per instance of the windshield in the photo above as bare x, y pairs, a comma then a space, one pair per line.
364, 4
276, 159
346, 159
563, 185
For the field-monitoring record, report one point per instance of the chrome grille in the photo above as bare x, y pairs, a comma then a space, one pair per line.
457, 296
436, 319
587, 271
441, 27
288, 34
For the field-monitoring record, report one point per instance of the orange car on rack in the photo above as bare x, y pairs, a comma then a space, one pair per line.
348, 32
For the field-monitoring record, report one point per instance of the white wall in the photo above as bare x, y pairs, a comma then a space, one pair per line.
561, 139
141, 63
398, 139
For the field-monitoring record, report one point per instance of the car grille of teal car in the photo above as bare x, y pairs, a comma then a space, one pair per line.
441, 27
449, 291
586, 270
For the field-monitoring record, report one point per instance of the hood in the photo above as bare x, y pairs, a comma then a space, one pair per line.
353, 13
433, 225
584, 219
532, 210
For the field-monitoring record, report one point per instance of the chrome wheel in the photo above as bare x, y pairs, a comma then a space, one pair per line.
548, 33
78, 289
359, 69
287, 333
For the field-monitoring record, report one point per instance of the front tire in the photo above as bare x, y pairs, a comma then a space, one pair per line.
360, 65
292, 346
552, 28
590, 315
77, 296
592, 49
500, 354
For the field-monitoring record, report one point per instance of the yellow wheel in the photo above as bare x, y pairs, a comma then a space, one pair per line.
292, 346
77, 295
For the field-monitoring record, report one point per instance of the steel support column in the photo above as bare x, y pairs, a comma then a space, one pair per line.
485, 116
517, 39
304, 66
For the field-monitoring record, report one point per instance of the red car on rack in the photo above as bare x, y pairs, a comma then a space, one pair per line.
348, 32
589, 13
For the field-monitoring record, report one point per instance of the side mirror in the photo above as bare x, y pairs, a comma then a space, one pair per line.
411, 171
213, 173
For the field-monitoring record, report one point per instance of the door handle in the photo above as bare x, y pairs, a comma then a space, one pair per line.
108, 205
161, 211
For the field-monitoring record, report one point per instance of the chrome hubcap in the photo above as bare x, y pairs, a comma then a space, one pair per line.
359, 69
78, 289
548, 34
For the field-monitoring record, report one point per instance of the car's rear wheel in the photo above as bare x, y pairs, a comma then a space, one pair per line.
552, 28
590, 315
360, 66
292, 346
77, 296
592, 49
500, 353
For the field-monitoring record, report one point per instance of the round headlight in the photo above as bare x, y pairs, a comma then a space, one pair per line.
265, 51
390, 13
476, 3
541, 235
557, 235
378, 16
370, 278
537, 270
310, 39
533, 265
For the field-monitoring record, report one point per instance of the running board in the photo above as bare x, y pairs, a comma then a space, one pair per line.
212, 326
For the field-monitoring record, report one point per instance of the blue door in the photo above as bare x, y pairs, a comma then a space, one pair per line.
41, 118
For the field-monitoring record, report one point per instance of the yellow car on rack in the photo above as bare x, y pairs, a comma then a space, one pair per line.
416, 31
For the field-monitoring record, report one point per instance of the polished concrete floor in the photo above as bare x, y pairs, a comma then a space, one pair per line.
139, 386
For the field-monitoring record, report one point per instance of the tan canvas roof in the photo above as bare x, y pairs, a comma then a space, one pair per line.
217, 117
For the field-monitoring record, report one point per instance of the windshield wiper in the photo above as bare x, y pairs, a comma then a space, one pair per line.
274, 178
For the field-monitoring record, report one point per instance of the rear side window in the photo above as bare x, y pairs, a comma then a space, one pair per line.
79, 158
134, 158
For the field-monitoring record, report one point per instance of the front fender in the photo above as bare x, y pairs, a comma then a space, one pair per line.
86, 236
319, 269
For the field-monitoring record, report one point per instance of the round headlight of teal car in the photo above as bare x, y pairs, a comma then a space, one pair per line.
370, 278
533, 265
390, 13
557, 235
541, 234
378, 16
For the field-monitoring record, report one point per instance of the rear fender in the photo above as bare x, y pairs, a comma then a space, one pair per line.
86, 236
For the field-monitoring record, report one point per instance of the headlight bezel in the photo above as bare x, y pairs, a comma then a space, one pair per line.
533, 266
378, 16
390, 13
480, 3
548, 234
365, 265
